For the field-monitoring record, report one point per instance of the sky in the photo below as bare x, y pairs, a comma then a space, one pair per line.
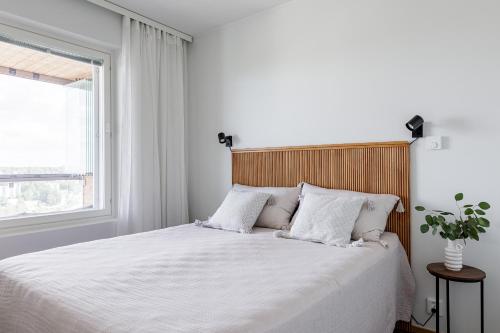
33, 125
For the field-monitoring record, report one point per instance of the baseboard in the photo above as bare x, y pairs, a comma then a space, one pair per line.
415, 329
406, 328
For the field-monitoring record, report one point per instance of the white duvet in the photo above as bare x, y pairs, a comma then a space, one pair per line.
190, 279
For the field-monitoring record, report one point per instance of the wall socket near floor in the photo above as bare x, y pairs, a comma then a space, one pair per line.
431, 304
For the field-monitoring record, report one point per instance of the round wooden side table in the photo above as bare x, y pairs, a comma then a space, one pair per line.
468, 274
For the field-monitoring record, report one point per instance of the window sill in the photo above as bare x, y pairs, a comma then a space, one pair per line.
50, 226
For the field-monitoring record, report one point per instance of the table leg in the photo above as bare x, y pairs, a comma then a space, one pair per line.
482, 306
437, 304
447, 306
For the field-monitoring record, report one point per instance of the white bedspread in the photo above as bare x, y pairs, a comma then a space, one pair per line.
190, 279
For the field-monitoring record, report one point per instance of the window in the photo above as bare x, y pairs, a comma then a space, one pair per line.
54, 110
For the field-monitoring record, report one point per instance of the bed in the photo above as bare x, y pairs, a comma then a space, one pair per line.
192, 279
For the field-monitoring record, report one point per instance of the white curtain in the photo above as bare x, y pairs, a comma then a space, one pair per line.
152, 191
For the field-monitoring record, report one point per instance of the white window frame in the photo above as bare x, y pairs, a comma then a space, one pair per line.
103, 137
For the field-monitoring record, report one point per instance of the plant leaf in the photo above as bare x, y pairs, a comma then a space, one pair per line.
473, 234
473, 221
483, 222
468, 206
480, 212
424, 228
469, 211
459, 196
420, 208
429, 219
484, 205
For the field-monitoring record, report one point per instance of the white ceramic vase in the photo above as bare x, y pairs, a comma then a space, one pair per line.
453, 256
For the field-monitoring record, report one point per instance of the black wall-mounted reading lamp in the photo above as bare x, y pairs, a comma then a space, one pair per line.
416, 126
223, 139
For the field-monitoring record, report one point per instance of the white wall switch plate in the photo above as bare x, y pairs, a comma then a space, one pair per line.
434, 142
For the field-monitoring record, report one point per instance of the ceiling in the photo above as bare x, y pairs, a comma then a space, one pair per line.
48, 67
196, 16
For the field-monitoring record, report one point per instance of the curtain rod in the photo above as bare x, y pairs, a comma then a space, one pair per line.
127, 12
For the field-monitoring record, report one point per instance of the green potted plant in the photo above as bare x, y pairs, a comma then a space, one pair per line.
468, 223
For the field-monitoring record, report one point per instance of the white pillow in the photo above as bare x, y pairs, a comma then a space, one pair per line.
280, 207
373, 217
239, 211
327, 220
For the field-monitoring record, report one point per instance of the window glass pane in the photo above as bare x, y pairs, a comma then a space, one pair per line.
38, 197
48, 149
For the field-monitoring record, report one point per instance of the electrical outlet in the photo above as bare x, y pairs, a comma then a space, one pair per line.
431, 304
434, 142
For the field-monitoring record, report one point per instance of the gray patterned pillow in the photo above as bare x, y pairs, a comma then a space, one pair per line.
373, 217
239, 211
327, 220
279, 208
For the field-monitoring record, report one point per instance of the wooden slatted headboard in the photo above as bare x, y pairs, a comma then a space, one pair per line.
369, 167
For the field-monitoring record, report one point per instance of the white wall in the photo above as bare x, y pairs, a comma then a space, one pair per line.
38, 241
324, 71
76, 20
